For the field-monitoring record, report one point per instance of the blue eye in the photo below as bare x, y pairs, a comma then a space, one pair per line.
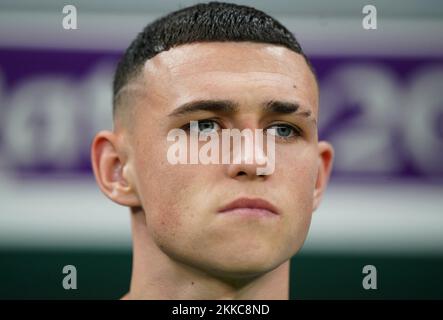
204, 126
207, 126
285, 131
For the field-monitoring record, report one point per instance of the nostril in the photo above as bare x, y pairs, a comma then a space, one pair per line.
241, 173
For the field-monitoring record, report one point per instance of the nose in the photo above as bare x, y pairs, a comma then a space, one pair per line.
244, 171
247, 159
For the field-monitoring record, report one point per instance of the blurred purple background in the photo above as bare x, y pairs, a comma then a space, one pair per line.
381, 107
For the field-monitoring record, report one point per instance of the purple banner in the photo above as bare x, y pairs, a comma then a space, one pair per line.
384, 116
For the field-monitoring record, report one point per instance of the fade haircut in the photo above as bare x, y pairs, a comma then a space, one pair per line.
205, 22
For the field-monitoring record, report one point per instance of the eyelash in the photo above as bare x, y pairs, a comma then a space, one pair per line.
297, 132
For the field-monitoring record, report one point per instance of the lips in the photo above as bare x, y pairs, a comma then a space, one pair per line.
250, 205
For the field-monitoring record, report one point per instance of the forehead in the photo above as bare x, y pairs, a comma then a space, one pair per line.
240, 71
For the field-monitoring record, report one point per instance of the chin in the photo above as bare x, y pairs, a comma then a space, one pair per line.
245, 265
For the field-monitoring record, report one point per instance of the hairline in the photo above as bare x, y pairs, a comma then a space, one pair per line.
137, 73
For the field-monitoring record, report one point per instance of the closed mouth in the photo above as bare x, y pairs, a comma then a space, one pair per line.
253, 204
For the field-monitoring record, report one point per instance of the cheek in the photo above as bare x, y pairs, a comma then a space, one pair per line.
298, 170
166, 190
299, 166
297, 175
156, 184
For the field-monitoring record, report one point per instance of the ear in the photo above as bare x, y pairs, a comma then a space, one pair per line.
325, 160
111, 170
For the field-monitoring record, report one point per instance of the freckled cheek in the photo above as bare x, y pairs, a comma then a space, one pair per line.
164, 215
297, 177
166, 192
297, 170
164, 221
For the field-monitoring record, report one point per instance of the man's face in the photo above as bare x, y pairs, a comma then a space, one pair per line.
181, 201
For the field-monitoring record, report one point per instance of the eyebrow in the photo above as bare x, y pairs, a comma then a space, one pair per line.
227, 107
285, 107
216, 106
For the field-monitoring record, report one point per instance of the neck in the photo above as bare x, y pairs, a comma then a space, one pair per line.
157, 276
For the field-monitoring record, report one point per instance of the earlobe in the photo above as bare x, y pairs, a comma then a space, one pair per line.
325, 161
108, 165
